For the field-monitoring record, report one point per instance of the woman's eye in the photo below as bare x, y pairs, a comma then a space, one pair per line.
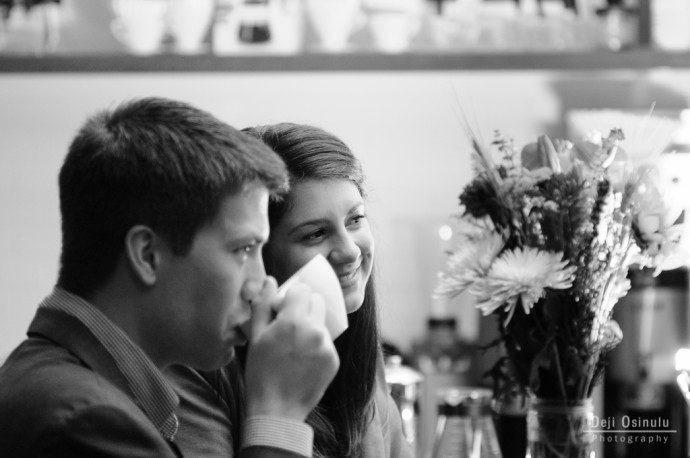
356, 219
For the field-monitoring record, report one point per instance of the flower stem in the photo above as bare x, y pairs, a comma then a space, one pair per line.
561, 382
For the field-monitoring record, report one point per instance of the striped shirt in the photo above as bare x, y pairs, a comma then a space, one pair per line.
283, 433
152, 391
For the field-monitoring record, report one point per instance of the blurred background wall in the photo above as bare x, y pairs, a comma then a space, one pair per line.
407, 128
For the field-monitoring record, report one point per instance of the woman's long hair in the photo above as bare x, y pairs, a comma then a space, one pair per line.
341, 418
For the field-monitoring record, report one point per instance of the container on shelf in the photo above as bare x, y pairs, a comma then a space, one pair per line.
393, 24
258, 27
34, 30
333, 21
404, 384
139, 24
188, 23
444, 359
669, 23
465, 428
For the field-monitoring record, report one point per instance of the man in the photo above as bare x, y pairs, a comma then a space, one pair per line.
164, 213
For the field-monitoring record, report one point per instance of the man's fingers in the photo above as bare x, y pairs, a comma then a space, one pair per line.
269, 289
259, 295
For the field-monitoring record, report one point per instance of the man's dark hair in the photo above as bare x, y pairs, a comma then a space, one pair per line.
154, 162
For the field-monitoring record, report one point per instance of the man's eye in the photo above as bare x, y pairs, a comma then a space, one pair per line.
246, 250
315, 235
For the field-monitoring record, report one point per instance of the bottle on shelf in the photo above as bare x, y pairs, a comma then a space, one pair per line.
620, 22
404, 382
465, 428
443, 359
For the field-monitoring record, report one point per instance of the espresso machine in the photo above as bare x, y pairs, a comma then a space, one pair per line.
643, 404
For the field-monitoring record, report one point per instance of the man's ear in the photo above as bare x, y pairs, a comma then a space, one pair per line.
142, 254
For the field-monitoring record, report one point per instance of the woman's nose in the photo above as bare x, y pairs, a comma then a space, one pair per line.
345, 249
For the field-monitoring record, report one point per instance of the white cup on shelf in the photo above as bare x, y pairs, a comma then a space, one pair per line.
670, 20
139, 24
393, 23
188, 22
333, 21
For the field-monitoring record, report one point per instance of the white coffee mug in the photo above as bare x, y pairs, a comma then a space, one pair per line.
188, 22
320, 277
139, 24
333, 21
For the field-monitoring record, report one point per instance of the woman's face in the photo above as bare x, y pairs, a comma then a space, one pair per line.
326, 217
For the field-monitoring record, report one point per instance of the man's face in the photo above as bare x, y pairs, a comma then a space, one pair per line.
203, 289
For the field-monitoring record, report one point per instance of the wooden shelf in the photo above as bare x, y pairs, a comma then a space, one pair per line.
640, 59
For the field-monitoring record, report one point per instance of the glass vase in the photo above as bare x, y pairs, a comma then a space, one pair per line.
560, 429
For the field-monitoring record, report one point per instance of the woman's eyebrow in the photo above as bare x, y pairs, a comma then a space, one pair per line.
355, 207
311, 222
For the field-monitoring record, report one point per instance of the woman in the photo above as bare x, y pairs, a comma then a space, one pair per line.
324, 213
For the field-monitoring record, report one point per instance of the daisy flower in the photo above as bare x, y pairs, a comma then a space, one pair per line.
657, 213
521, 273
597, 152
665, 249
470, 261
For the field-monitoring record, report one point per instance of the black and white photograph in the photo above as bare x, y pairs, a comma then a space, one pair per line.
345, 228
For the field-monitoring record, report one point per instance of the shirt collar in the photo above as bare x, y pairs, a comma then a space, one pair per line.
152, 392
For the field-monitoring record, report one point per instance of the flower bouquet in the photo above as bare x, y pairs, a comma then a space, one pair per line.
547, 235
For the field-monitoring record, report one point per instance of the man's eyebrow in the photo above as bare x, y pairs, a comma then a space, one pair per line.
242, 237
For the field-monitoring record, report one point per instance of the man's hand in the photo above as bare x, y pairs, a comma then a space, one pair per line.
291, 359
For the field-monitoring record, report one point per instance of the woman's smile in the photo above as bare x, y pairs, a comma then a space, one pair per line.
349, 278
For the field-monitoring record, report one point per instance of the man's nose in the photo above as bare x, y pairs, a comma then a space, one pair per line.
257, 271
254, 280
